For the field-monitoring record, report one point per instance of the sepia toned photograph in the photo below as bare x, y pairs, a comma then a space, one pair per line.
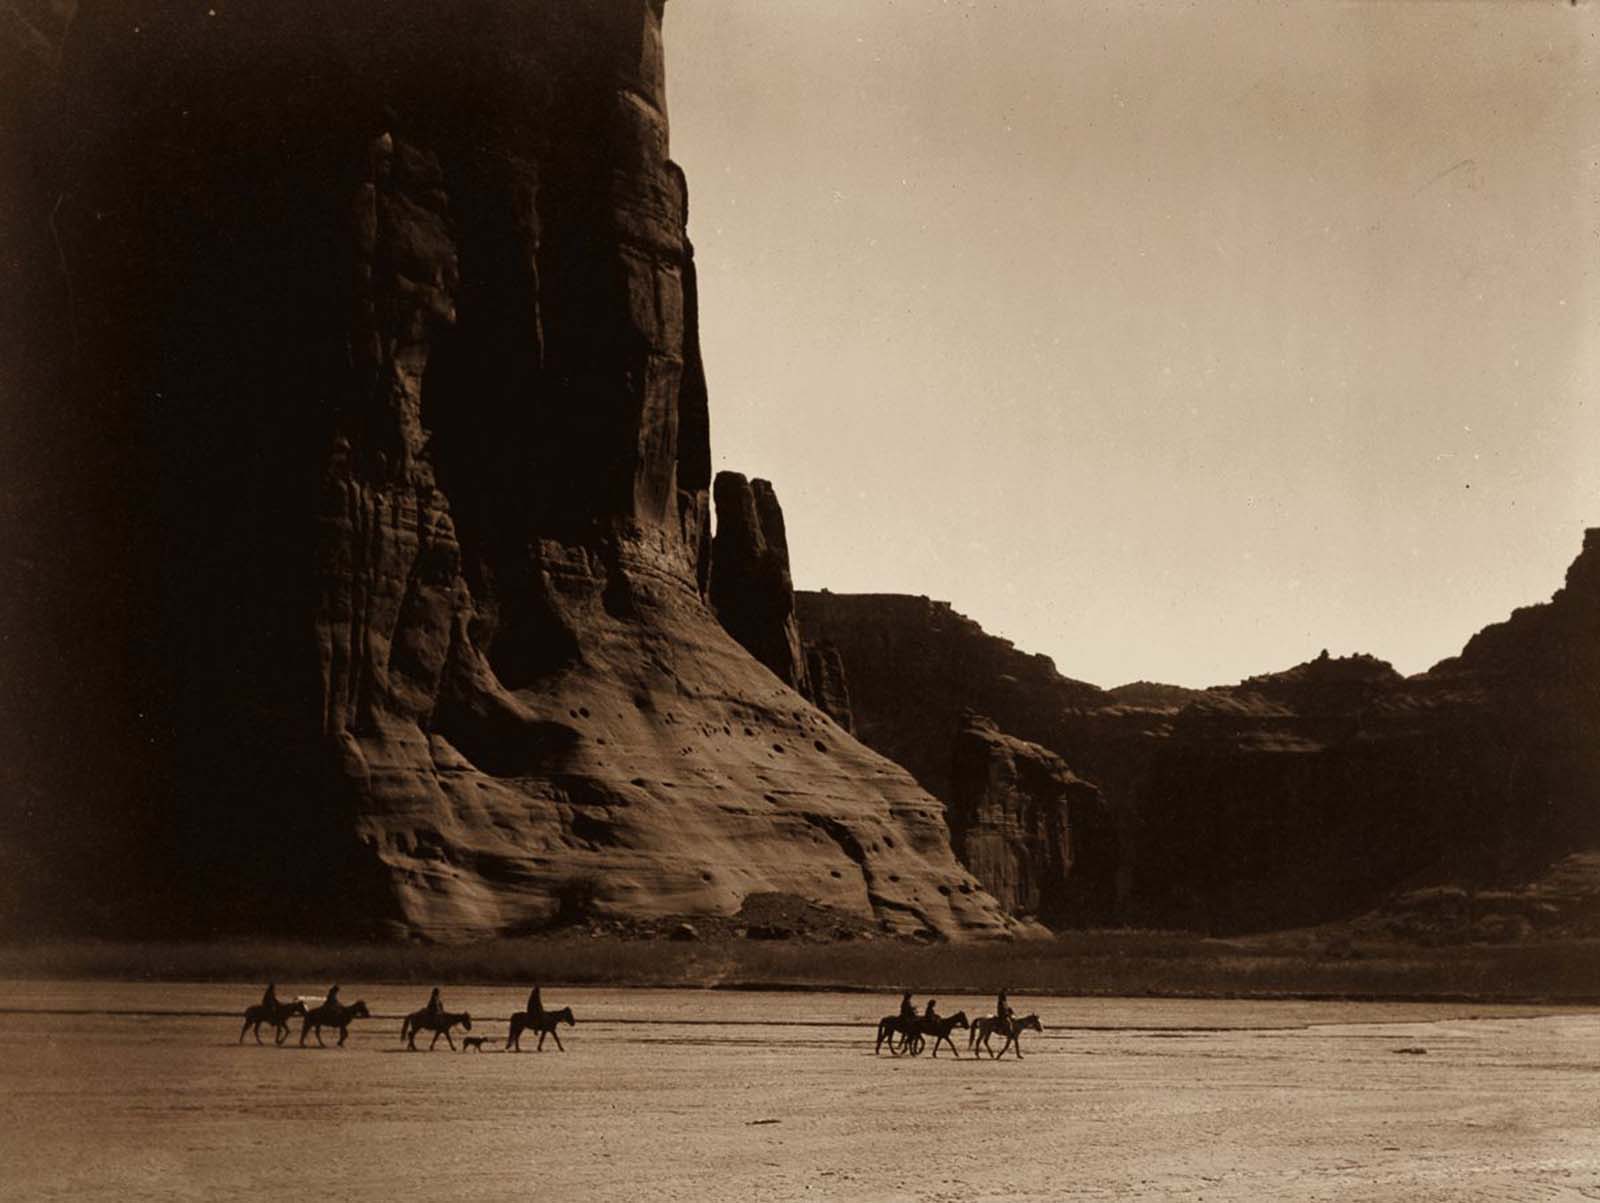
800, 599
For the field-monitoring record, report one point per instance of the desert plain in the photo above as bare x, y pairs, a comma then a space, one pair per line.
142, 1091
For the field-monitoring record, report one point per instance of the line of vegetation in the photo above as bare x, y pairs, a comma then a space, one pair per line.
1106, 963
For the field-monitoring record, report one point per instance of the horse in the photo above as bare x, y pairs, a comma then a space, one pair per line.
277, 1014
891, 1026
332, 1015
940, 1027
543, 1022
437, 1022
1012, 1031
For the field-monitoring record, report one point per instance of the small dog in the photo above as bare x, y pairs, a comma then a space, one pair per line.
476, 1042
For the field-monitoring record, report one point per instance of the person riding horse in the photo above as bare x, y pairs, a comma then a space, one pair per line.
1002, 1009
435, 1005
535, 1004
908, 1013
269, 996
333, 996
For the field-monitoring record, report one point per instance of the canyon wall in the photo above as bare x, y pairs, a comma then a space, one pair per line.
375, 495
1289, 798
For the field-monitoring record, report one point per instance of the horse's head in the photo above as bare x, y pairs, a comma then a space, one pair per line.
297, 1007
1030, 1021
359, 1011
959, 1019
466, 1021
565, 1014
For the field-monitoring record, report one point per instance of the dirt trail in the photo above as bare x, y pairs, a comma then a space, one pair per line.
1115, 1099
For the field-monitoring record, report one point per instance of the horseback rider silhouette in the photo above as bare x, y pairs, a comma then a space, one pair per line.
435, 1003
535, 1004
333, 997
907, 1011
1002, 1009
269, 997
929, 1013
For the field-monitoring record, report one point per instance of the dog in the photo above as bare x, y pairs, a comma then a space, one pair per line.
476, 1042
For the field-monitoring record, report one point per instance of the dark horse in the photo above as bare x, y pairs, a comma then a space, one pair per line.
891, 1026
543, 1022
437, 1022
988, 1025
277, 1014
940, 1028
332, 1015
913, 1033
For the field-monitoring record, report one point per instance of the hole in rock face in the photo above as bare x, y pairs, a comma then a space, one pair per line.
894, 877
945, 890
706, 876
888, 841
834, 873
819, 745
778, 748
584, 711
749, 731
572, 714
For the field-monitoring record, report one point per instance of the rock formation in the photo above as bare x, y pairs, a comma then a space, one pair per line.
1039, 838
751, 589
1292, 797
916, 666
381, 322
830, 685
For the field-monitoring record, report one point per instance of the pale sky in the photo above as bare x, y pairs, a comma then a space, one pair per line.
1176, 342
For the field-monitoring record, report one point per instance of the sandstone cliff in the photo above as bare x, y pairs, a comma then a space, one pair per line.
1291, 797
1040, 839
751, 589
384, 368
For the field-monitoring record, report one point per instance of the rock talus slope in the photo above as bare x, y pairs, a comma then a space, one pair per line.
395, 309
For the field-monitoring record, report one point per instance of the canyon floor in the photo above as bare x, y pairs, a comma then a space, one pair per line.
140, 1090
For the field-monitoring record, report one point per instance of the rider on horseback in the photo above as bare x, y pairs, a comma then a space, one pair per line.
929, 1014
269, 997
435, 1005
1002, 1010
535, 1005
333, 997
908, 1013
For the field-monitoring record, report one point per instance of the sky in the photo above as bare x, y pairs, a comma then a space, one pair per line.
1177, 342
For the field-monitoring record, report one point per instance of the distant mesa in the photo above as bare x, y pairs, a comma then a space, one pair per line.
1288, 798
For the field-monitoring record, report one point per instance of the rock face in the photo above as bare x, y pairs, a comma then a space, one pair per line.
915, 667
830, 685
1297, 796
1039, 838
385, 370
751, 589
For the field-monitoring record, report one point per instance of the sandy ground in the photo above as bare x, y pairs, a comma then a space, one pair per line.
733, 1096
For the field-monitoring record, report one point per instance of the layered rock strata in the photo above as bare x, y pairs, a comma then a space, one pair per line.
406, 540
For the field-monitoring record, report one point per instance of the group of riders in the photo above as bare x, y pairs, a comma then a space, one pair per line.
433, 1009
910, 1019
330, 1012
909, 1032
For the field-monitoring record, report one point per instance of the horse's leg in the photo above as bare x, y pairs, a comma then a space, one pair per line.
343, 1033
447, 1040
559, 1046
283, 1033
318, 1033
244, 1029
